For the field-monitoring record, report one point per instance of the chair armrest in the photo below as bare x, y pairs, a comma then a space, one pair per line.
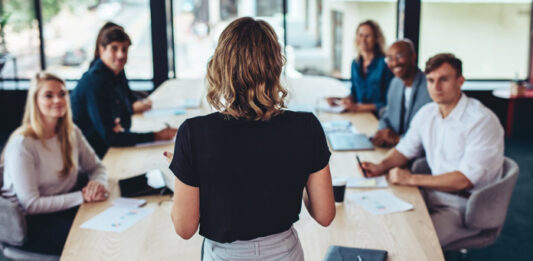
12, 223
420, 166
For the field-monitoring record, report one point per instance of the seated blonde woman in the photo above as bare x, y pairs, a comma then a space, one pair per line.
42, 160
242, 171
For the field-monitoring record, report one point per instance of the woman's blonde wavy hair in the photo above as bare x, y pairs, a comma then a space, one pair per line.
243, 76
32, 122
379, 48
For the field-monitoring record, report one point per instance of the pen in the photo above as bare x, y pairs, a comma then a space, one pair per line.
360, 165
359, 258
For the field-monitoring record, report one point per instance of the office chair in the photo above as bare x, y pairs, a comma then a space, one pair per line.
486, 208
13, 230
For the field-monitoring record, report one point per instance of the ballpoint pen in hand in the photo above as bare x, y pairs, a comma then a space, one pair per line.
361, 166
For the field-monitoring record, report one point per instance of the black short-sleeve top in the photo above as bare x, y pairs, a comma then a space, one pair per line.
250, 174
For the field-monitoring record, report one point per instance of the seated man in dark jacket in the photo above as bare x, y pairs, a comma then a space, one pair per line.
406, 95
102, 100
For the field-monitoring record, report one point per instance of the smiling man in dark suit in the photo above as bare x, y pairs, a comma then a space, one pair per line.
407, 93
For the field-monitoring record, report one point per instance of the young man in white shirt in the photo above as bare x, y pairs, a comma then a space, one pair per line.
463, 142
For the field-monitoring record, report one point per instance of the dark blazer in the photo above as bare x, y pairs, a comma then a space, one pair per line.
392, 113
99, 98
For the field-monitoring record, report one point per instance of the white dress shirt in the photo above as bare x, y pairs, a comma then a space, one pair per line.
469, 140
407, 96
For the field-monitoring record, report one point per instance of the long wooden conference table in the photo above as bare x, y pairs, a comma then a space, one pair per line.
406, 235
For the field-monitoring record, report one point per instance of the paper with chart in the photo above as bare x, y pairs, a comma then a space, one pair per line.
361, 182
116, 219
379, 202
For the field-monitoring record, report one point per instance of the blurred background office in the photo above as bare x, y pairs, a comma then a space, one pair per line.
175, 38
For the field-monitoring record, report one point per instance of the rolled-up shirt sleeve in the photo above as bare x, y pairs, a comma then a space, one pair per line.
411, 144
483, 152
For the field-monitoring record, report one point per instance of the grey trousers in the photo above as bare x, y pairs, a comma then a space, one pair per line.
284, 246
447, 213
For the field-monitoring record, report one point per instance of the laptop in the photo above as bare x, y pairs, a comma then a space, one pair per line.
349, 141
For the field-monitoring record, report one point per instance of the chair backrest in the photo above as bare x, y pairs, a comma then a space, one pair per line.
487, 207
1, 175
12, 220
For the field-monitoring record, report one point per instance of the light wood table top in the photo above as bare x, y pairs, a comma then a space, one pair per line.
406, 235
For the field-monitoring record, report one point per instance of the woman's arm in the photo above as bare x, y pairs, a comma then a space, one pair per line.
318, 197
185, 211
89, 163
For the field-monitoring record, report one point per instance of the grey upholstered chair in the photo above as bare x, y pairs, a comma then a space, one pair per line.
486, 208
13, 230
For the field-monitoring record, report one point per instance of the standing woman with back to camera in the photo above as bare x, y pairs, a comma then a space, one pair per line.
242, 171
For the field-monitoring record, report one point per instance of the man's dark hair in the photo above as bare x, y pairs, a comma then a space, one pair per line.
113, 34
438, 60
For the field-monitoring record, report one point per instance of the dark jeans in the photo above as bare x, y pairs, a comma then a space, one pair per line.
47, 233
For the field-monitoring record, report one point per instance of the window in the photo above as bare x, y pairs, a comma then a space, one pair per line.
491, 37
19, 40
198, 24
321, 34
70, 30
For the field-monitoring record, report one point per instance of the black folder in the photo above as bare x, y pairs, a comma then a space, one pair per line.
138, 186
340, 253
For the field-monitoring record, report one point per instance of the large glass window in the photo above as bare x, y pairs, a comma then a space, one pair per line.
321, 34
70, 30
199, 23
490, 37
19, 40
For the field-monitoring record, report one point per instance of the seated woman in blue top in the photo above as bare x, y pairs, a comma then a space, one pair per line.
370, 74
242, 171
102, 102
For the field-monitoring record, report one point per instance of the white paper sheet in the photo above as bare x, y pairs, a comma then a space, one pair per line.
164, 112
116, 219
379, 202
331, 109
155, 143
360, 182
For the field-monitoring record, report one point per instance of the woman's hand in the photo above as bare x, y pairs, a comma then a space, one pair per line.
94, 192
168, 155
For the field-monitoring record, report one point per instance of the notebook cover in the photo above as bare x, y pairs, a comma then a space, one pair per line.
340, 253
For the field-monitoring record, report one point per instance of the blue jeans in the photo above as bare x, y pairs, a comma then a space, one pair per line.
284, 246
